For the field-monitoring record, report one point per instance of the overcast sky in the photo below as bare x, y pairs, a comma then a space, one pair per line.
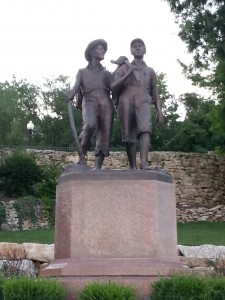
45, 38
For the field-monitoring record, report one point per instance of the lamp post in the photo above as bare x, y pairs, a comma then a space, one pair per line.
30, 127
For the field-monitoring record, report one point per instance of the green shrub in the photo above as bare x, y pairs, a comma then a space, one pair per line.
216, 288
189, 288
107, 291
18, 174
48, 208
24, 288
45, 190
47, 186
180, 288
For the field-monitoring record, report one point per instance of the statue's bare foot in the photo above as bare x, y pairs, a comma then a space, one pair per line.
145, 167
80, 166
133, 168
82, 161
153, 168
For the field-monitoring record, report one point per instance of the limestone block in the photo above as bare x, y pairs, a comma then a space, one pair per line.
202, 271
24, 267
192, 262
43, 265
203, 251
71, 159
39, 252
11, 251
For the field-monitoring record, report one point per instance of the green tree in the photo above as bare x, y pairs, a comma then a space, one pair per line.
18, 105
202, 28
54, 126
162, 138
196, 130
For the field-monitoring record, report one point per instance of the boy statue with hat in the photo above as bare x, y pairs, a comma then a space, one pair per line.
136, 94
94, 83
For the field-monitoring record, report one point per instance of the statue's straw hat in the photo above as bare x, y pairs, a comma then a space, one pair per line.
92, 45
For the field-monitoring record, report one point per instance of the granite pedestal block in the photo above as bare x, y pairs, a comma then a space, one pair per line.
117, 225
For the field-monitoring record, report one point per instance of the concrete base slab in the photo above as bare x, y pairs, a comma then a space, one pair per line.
137, 272
111, 267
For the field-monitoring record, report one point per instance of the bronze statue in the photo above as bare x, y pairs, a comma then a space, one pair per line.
135, 86
93, 84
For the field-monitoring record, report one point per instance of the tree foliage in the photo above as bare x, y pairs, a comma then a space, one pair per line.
194, 133
18, 105
21, 101
202, 28
54, 127
196, 129
163, 137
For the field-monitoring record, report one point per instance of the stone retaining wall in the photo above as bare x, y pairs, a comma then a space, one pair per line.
12, 220
199, 178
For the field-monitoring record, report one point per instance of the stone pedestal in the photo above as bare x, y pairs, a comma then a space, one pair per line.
115, 225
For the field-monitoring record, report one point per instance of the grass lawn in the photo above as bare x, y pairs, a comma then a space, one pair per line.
40, 236
195, 233
200, 233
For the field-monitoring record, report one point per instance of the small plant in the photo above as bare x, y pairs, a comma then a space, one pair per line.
180, 287
25, 288
218, 264
12, 260
107, 291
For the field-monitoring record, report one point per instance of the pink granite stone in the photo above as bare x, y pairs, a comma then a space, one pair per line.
115, 224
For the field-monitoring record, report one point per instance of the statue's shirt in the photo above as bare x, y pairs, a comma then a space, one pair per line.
146, 90
95, 82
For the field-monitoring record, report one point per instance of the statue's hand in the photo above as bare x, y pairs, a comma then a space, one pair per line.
159, 119
131, 68
69, 95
